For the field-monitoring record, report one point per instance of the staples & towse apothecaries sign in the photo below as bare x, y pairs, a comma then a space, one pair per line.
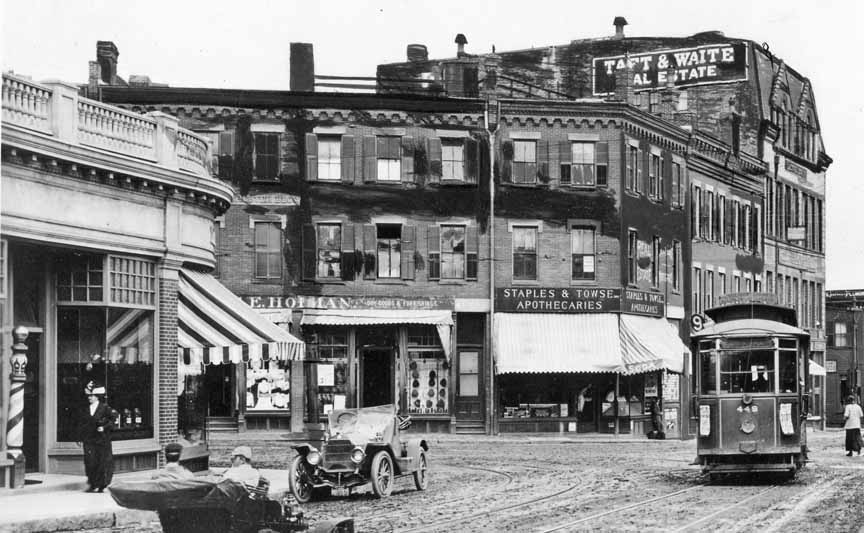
718, 63
579, 300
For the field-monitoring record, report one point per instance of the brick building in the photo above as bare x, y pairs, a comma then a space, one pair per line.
845, 326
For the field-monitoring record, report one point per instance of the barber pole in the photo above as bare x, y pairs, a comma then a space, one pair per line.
15, 425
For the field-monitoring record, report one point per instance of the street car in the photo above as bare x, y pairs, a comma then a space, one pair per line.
361, 446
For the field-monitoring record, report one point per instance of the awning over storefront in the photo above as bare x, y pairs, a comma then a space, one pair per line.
214, 326
816, 369
600, 342
649, 344
441, 319
541, 343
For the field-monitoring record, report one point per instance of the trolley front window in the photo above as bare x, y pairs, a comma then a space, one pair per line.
746, 371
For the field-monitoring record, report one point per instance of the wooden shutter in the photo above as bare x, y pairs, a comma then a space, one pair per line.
408, 243
370, 159
627, 166
542, 173
311, 157
667, 176
347, 163
346, 257
370, 250
565, 159
754, 228
507, 161
435, 164
646, 167
471, 252
728, 221
694, 222
601, 159
471, 163
309, 252
407, 160
433, 241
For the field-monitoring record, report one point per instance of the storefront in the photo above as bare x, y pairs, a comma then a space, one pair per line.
586, 360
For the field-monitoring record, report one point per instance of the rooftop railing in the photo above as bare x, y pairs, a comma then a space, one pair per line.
56, 109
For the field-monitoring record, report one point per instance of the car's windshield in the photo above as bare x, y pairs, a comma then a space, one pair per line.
362, 425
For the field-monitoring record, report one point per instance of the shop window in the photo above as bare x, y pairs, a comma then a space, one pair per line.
524, 253
133, 281
113, 348
268, 386
389, 250
330, 349
389, 156
429, 387
266, 156
452, 252
452, 159
80, 278
524, 161
329, 157
583, 252
329, 254
469, 373
268, 250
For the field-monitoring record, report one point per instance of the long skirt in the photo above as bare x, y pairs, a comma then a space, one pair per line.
98, 463
853, 440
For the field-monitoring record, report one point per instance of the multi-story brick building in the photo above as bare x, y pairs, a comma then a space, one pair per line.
844, 322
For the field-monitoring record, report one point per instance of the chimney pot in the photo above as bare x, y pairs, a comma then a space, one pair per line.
417, 52
106, 55
302, 61
460, 41
619, 23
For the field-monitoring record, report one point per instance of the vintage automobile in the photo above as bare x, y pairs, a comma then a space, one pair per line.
360, 446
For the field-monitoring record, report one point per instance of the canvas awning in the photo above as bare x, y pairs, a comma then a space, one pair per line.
816, 369
214, 326
441, 319
601, 342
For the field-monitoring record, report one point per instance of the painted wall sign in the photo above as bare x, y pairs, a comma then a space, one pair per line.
579, 300
701, 65
348, 302
799, 171
830, 365
277, 198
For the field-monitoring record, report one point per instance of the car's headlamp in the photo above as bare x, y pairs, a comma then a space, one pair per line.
313, 457
357, 455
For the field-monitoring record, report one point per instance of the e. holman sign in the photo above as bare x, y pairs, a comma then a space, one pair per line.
701, 65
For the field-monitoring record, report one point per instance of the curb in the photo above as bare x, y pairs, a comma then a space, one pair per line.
92, 520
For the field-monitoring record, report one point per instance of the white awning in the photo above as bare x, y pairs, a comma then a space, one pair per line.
441, 319
649, 344
546, 343
816, 369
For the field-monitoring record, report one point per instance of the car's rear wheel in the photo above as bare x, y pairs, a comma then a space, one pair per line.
298, 481
382, 474
420, 479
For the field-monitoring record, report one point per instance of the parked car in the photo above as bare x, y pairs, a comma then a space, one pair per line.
360, 446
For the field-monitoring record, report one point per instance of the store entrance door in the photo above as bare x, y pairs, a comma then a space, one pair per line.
376, 377
469, 404
218, 388
31, 401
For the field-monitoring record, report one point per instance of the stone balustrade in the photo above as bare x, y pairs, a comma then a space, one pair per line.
56, 109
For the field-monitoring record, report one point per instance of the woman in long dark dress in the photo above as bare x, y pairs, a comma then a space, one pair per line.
98, 421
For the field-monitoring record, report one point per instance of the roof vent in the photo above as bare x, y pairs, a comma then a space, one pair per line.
619, 23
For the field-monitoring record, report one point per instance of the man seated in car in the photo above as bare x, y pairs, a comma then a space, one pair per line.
173, 469
241, 468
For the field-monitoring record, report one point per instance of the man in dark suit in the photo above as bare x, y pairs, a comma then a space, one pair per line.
96, 436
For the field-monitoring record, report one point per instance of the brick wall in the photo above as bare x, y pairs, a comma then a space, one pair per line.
167, 412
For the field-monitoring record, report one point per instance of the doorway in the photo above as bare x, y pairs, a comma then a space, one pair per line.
218, 387
376, 377
31, 401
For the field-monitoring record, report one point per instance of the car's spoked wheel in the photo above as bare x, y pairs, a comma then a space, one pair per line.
420, 479
382, 474
299, 484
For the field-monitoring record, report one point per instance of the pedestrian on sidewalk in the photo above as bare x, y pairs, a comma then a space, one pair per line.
96, 427
852, 414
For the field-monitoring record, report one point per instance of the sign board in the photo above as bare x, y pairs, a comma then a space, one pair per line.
349, 302
830, 365
796, 233
579, 300
767, 298
701, 65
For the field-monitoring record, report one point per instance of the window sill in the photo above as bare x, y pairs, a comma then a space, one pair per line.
457, 183
267, 281
451, 282
386, 281
323, 281
583, 282
524, 185
525, 282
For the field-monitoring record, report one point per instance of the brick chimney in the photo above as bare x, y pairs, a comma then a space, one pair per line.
670, 95
106, 55
302, 62
619, 23
460, 41
417, 52
93, 77
624, 82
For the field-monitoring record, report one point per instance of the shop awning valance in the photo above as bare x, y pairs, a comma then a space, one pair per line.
214, 327
441, 319
602, 342
816, 369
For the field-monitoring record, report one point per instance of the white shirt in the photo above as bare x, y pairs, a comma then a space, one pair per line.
243, 473
853, 415
93, 407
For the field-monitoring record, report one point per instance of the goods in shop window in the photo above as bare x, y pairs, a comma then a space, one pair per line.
415, 393
415, 383
415, 374
429, 403
443, 382
431, 392
412, 365
417, 403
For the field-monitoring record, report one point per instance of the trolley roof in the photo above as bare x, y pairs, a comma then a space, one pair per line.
749, 327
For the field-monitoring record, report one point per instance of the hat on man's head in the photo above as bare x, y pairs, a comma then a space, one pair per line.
91, 389
243, 451
173, 451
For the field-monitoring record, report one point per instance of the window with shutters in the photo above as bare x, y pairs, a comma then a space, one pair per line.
709, 215
268, 250
389, 156
584, 163
655, 261
676, 266
633, 168
721, 219
632, 256
453, 159
696, 212
389, 250
222, 151
329, 251
583, 252
524, 161
677, 186
709, 289
330, 157
266, 156
524, 253
655, 177
452, 251
697, 290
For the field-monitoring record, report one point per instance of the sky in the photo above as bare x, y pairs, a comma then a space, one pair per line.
245, 45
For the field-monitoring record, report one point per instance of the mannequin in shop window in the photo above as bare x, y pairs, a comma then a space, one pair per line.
584, 397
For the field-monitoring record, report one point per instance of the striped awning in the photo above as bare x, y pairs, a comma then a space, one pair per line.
214, 326
649, 344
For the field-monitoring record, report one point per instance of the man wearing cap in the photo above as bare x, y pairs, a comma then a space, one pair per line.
241, 470
173, 469
95, 430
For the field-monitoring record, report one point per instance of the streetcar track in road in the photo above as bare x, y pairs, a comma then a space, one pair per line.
736, 503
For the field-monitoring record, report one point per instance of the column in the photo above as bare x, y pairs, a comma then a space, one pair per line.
165, 421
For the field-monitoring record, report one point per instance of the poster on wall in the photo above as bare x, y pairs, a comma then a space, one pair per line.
325, 375
670, 387
651, 385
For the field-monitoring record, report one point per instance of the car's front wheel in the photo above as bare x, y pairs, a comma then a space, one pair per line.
298, 481
382, 474
420, 479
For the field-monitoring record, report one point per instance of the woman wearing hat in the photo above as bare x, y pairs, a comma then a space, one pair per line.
96, 437
852, 414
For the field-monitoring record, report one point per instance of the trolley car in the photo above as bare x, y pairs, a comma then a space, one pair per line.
751, 401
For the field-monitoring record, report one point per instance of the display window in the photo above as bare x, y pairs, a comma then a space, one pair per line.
428, 372
547, 396
330, 348
268, 386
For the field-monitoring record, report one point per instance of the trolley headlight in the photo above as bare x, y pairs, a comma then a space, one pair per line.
357, 455
313, 457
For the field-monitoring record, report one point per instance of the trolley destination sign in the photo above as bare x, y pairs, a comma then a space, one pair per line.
701, 65
579, 300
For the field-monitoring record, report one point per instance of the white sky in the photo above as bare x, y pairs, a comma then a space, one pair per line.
246, 45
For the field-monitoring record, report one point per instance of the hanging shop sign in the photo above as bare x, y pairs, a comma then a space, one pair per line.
349, 302
701, 65
579, 300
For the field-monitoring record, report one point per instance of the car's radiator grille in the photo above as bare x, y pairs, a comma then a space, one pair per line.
337, 455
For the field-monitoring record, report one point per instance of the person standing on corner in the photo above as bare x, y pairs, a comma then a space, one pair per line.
96, 429
852, 414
